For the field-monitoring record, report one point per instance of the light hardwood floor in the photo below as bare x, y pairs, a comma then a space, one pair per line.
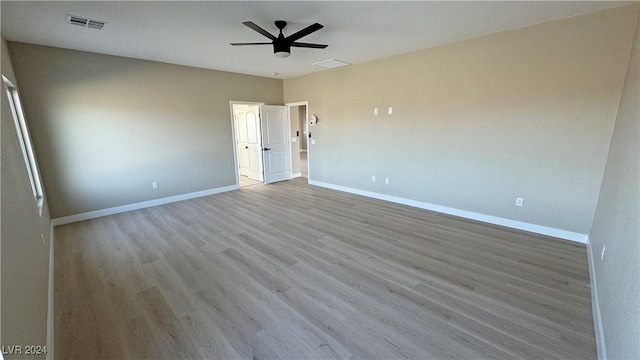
246, 181
294, 271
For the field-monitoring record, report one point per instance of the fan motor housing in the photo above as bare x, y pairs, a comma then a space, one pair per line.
281, 47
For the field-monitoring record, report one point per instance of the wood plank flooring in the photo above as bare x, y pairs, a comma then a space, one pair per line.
292, 271
246, 181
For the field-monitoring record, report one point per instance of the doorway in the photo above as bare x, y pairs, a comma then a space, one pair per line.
300, 135
248, 141
262, 150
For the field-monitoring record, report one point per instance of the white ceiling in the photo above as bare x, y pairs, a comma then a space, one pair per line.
198, 33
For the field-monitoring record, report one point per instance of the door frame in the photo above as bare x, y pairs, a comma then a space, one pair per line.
306, 121
234, 135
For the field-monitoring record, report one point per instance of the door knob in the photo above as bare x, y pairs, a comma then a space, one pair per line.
246, 147
266, 149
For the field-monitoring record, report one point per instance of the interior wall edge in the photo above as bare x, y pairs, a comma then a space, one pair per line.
50, 314
140, 205
595, 306
519, 225
615, 276
25, 235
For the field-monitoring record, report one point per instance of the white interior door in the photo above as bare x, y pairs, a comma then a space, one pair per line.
240, 118
275, 140
249, 142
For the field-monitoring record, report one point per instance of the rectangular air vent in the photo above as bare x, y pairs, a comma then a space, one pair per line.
96, 24
330, 64
85, 22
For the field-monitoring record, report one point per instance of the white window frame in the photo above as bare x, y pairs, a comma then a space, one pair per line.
25, 142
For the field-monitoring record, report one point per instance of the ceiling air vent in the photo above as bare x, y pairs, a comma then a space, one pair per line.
330, 64
85, 22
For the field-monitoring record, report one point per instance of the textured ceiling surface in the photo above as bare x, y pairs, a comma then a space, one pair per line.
198, 33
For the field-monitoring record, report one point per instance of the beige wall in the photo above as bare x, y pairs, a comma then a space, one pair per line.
523, 113
617, 225
24, 258
105, 127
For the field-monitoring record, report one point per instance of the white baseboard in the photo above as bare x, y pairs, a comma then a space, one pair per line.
595, 307
140, 205
51, 298
296, 175
520, 225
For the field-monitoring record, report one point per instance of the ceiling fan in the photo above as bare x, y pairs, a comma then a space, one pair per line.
281, 44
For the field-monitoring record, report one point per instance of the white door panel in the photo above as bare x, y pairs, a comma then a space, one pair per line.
244, 162
249, 144
275, 130
276, 160
254, 159
241, 142
253, 128
276, 147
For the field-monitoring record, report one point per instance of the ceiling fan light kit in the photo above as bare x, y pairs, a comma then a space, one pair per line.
281, 50
281, 44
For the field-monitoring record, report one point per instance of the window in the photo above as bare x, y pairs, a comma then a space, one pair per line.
25, 141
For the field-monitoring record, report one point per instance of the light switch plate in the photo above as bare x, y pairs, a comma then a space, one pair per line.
313, 141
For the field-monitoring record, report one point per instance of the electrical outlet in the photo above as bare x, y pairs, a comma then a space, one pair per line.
386, 181
604, 247
373, 178
154, 184
375, 111
313, 141
519, 202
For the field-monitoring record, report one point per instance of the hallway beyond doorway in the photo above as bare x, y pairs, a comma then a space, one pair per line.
304, 170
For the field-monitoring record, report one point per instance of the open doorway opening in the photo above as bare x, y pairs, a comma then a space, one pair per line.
298, 113
248, 143
261, 146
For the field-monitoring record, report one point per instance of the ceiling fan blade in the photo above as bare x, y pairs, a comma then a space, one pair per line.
306, 45
242, 44
304, 32
257, 28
